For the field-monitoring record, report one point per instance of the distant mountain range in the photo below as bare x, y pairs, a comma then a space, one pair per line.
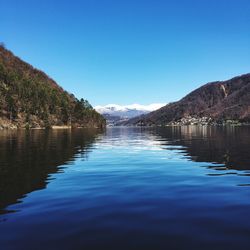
31, 99
213, 103
117, 113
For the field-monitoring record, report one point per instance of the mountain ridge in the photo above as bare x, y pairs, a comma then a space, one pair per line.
31, 99
115, 113
212, 103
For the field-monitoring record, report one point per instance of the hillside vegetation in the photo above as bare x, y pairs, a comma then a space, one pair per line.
213, 103
29, 98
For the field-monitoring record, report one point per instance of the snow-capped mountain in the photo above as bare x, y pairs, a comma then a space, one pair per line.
127, 111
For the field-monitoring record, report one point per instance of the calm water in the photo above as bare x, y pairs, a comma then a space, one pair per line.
125, 188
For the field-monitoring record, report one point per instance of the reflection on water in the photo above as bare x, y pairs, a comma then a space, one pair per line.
229, 146
27, 158
126, 188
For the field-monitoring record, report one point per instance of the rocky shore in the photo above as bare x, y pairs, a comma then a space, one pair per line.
7, 124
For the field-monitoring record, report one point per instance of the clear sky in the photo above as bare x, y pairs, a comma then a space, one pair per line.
130, 51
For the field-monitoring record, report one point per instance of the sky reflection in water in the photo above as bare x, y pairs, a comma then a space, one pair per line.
125, 188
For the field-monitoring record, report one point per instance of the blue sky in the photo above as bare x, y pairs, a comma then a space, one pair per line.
133, 51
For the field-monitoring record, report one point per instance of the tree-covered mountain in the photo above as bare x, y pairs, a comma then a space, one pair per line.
216, 102
29, 98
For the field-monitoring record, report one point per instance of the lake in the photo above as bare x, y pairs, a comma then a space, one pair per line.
125, 188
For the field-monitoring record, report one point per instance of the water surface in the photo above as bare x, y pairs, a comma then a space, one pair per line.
125, 188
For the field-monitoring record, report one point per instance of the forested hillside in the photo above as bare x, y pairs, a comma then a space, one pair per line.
29, 98
213, 103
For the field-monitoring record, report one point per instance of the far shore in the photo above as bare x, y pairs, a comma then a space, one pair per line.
58, 127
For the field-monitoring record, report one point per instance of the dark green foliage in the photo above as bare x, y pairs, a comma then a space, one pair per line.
30, 95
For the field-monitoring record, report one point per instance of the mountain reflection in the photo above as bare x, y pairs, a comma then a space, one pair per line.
223, 145
27, 158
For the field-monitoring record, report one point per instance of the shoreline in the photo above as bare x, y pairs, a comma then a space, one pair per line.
44, 128
177, 124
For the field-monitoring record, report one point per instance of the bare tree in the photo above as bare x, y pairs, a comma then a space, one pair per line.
2, 44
